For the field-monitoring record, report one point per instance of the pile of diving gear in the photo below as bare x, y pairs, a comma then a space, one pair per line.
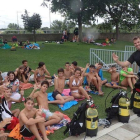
120, 104
85, 119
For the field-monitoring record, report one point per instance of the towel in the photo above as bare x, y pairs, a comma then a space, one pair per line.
15, 133
66, 93
66, 106
62, 123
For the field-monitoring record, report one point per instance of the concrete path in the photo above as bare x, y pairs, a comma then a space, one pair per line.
117, 131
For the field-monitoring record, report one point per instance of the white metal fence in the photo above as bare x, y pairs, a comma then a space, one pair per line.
105, 56
130, 48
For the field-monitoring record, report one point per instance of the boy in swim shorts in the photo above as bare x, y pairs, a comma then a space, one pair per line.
42, 100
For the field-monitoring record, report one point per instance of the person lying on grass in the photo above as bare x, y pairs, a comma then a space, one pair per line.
30, 121
114, 78
59, 84
76, 89
42, 101
93, 78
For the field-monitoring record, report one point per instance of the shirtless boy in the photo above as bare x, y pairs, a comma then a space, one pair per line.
67, 73
42, 100
114, 79
59, 83
93, 78
29, 121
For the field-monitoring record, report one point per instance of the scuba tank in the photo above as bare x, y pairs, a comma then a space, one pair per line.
136, 103
124, 104
91, 120
135, 98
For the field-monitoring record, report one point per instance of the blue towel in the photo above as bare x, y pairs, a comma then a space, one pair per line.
93, 92
66, 106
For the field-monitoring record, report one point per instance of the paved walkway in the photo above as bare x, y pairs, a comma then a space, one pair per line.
117, 131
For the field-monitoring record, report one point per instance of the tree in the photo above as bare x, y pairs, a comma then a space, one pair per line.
121, 12
13, 26
59, 25
105, 27
32, 23
79, 11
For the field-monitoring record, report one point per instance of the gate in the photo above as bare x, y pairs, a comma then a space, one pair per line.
105, 56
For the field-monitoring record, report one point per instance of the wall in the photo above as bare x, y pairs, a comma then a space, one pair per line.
57, 37
122, 36
30, 37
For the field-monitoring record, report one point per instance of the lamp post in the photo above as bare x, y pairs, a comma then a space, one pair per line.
17, 19
50, 15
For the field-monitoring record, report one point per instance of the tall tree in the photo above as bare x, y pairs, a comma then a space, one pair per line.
79, 11
57, 25
121, 12
32, 23
13, 26
61, 25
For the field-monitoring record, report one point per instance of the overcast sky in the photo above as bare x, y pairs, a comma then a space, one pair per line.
11, 11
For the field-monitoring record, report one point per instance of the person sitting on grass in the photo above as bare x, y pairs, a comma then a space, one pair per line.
12, 82
59, 84
127, 78
114, 78
98, 67
68, 72
107, 40
21, 76
75, 84
93, 78
3, 136
30, 121
5, 111
42, 101
9, 100
39, 75
74, 65
1, 79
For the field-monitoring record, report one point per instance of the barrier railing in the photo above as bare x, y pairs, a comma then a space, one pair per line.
105, 56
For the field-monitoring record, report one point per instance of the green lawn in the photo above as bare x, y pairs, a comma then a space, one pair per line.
55, 55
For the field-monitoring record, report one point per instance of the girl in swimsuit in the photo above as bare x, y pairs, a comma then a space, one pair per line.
21, 77
40, 72
77, 91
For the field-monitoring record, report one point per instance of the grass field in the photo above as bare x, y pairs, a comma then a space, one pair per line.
55, 55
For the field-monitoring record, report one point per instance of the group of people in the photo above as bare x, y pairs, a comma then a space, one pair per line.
13, 85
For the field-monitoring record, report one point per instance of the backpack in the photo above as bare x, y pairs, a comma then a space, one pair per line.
77, 124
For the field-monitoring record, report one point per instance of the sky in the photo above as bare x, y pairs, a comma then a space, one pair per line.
11, 11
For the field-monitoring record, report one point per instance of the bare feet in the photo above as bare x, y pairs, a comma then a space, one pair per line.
101, 93
61, 105
48, 127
